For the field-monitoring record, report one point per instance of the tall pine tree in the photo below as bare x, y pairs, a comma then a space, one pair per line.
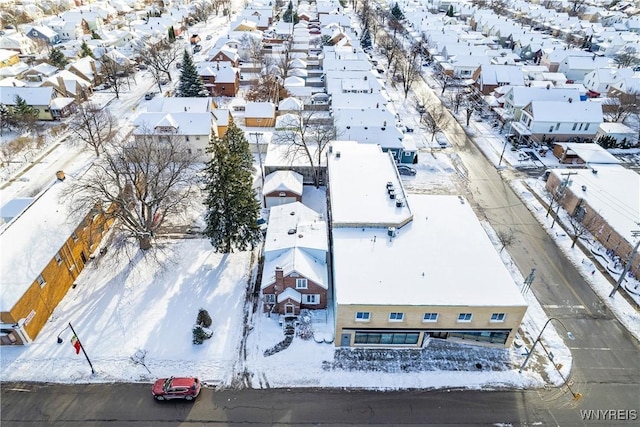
232, 206
85, 50
57, 58
190, 83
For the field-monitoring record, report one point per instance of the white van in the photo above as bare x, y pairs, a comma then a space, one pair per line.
319, 98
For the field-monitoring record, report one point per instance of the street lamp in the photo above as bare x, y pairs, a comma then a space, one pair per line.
569, 335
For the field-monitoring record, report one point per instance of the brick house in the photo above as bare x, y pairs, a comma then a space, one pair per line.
220, 78
50, 245
281, 187
295, 274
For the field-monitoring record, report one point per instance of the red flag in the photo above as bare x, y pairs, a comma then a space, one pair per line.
75, 342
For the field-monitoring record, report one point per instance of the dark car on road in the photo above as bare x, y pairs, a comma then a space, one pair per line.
187, 388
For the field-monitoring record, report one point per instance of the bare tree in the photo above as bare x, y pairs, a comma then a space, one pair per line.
94, 125
626, 57
506, 238
390, 48
432, 121
252, 49
581, 224
620, 106
577, 7
408, 67
140, 185
307, 136
112, 74
159, 57
268, 87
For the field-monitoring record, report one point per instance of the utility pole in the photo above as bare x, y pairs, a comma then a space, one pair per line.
258, 135
563, 188
628, 266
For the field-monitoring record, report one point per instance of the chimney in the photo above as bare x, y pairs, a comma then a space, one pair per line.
62, 87
279, 286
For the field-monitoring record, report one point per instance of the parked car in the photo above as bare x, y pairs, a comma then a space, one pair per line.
178, 64
187, 388
197, 48
164, 81
149, 95
209, 37
407, 129
406, 170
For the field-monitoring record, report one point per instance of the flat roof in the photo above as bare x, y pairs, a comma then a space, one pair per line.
358, 178
442, 257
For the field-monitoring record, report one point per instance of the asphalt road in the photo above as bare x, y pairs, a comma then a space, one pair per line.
132, 405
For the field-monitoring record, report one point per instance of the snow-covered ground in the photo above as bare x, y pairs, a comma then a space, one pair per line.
134, 312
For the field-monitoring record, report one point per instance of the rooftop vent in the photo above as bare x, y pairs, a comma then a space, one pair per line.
337, 154
291, 231
391, 231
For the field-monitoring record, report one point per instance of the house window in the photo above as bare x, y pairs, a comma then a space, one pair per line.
363, 316
41, 281
301, 284
498, 317
58, 259
430, 317
586, 127
186, 138
464, 317
396, 317
197, 138
551, 129
557, 126
282, 194
386, 338
270, 298
311, 299
575, 125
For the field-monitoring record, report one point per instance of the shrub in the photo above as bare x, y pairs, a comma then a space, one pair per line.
203, 319
200, 334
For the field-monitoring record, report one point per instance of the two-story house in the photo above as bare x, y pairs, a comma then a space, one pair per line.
295, 274
220, 78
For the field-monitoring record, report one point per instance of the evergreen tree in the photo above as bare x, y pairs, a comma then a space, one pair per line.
232, 206
365, 40
85, 50
288, 14
23, 115
172, 34
56, 58
190, 83
450, 11
397, 12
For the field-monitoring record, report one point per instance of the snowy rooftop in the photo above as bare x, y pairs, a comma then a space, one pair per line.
442, 257
614, 192
359, 174
179, 105
34, 238
184, 123
310, 226
590, 153
283, 181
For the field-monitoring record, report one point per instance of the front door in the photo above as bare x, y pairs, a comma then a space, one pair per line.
345, 340
289, 309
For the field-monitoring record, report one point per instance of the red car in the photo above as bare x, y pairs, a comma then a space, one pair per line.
187, 388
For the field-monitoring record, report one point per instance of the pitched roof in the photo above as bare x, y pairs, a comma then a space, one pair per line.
558, 111
290, 293
31, 95
283, 180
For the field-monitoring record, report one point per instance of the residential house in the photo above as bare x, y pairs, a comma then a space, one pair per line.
295, 273
87, 68
8, 58
558, 121
16, 42
66, 30
45, 100
600, 80
517, 97
50, 242
224, 54
396, 261
577, 67
70, 85
37, 74
192, 120
375, 126
493, 76
622, 133
611, 220
553, 57
279, 157
281, 187
260, 114
220, 78
44, 34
